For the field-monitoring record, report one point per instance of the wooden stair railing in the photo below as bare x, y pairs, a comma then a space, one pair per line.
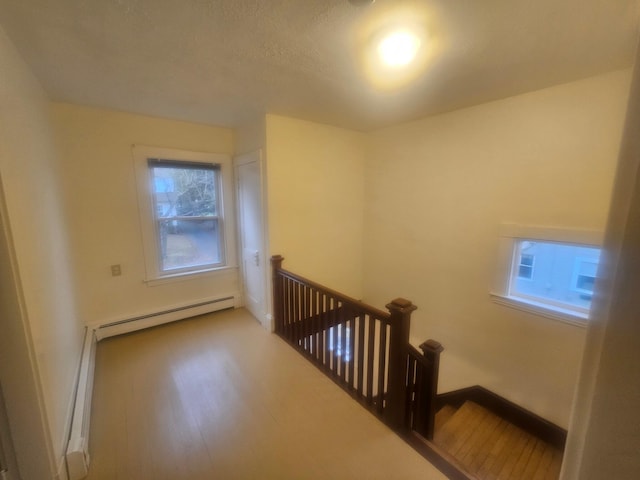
422, 385
363, 349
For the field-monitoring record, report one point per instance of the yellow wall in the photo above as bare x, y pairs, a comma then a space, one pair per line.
41, 332
437, 191
603, 439
315, 200
95, 151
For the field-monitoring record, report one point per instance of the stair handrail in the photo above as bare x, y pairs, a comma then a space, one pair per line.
396, 404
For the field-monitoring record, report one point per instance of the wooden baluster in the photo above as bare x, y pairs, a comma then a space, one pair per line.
400, 321
371, 332
431, 350
278, 295
360, 358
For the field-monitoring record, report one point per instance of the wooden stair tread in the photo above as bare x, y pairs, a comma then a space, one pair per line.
491, 448
443, 415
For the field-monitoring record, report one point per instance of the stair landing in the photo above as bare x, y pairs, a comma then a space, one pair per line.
489, 447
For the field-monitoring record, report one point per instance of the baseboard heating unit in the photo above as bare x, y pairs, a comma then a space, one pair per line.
172, 314
77, 454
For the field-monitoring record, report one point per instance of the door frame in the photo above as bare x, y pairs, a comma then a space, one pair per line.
238, 161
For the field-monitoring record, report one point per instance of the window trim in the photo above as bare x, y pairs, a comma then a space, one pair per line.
145, 193
509, 234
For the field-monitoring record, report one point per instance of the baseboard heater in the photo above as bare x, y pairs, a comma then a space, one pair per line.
77, 454
158, 318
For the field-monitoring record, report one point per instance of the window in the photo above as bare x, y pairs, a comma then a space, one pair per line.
185, 200
584, 276
548, 271
525, 268
182, 212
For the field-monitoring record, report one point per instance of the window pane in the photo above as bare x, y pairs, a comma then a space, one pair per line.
184, 192
564, 274
188, 243
525, 272
185, 201
585, 283
526, 260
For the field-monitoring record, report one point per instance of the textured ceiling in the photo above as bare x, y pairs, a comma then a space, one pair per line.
225, 62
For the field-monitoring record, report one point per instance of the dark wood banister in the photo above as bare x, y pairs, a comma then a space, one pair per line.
401, 393
400, 310
276, 263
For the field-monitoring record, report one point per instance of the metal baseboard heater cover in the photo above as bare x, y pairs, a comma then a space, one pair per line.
77, 454
169, 315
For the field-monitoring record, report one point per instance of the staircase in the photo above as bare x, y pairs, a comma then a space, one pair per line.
486, 446
476, 434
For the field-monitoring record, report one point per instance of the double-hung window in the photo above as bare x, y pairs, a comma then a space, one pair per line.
182, 211
186, 220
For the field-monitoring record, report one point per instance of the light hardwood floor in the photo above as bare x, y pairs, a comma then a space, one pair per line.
218, 397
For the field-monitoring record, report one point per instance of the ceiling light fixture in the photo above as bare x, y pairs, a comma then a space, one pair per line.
399, 48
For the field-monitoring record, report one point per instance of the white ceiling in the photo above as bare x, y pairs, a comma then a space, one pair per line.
225, 62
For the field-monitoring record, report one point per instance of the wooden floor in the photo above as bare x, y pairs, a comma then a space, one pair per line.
490, 448
217, 397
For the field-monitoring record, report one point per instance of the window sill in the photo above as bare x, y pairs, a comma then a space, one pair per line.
194, 275
555, 313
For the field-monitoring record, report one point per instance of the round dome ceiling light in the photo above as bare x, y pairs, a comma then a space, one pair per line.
399, 48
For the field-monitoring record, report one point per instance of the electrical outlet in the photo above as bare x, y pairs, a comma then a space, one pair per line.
116, 270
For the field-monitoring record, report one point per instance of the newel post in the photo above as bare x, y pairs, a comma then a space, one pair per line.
278, 294
431, 351
400, 311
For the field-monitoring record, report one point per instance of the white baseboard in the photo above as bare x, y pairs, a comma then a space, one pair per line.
77, 455
269, 323
170, 314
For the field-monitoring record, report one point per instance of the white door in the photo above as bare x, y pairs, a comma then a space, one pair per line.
251, 232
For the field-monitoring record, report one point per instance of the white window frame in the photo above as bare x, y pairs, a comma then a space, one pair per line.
145, 190
509, 235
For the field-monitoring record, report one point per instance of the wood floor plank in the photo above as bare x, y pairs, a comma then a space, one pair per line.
491, 448
545, 463
498, 453
494, 426
534, 460
464, 437
459, 427
553, 472
443, 415
218, 397
514, 445
518, 459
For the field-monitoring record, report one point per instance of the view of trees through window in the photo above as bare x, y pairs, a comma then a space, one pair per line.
187, 219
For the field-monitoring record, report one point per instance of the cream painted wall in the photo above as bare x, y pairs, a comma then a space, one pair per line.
45, 334
604, 438
316, 200
95, 149
437, 191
